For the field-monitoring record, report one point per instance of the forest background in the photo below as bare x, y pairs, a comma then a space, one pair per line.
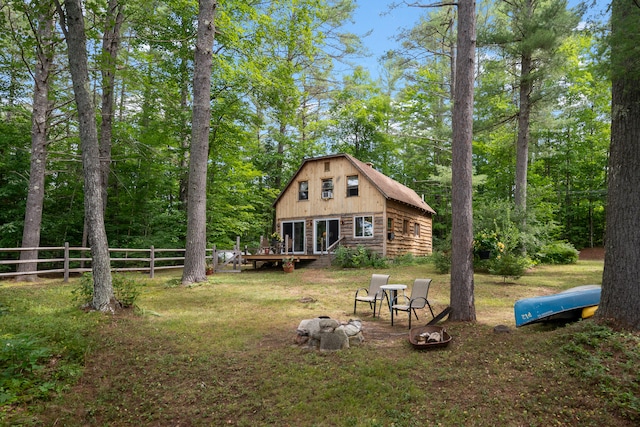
280, 93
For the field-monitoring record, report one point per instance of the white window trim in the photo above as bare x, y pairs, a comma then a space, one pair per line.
373, 232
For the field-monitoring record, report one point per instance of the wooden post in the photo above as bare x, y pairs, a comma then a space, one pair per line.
66, 262
215, 259
152, 261
237, 254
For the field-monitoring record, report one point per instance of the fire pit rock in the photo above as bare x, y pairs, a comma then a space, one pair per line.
326, 334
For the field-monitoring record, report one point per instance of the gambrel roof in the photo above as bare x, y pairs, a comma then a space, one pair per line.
389, 188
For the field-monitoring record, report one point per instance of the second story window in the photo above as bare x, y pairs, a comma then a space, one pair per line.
352, 185
327, 188
303, 190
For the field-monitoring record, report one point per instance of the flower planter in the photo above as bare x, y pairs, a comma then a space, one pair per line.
288, 268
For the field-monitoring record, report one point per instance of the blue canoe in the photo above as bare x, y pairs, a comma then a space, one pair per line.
564, 305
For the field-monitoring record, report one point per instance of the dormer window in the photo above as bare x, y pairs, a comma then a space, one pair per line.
352, 186
327, 188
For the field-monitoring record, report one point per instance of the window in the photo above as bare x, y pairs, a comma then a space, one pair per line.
327, 166
389, 224
352, 186
405, 226
327, 188
363, 226
303, 190
416, 229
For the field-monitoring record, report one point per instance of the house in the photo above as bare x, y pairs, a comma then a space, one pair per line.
339, 198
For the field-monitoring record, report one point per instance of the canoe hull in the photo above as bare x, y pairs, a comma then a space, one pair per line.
564, 305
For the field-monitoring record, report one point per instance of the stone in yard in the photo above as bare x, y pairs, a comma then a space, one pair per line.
334, 340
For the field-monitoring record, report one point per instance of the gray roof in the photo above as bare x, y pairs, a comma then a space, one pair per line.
389, 188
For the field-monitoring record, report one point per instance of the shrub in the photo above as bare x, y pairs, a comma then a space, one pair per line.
509, 265
442, 261
125, 289
405, 259
411, 259
558, 253
358, 257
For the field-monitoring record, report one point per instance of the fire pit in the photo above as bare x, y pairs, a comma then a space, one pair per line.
326, 334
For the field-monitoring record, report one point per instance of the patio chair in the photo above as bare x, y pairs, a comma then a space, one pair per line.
418, 299
373, 294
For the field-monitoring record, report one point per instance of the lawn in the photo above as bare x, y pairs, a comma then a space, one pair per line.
223, 353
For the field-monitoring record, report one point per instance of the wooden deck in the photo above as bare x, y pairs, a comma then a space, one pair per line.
279, 257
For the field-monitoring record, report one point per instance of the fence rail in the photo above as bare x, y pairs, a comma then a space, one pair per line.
68, 259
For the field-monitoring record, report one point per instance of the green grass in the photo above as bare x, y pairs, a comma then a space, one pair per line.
222, 353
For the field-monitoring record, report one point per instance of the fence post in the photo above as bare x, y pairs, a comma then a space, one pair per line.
214, 261
238, 255
66, 262
152, 261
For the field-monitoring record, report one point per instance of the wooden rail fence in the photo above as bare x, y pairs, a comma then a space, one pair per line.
67, 259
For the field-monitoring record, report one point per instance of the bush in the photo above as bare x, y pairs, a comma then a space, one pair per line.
442, 261
125, 289
358, 257
411, 259
509, 265
558, 253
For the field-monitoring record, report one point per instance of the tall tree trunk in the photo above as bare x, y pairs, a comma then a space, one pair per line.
183, 191
39, 135
620, 300
110, 46
194, 262
74, 29
462, 285
522, 145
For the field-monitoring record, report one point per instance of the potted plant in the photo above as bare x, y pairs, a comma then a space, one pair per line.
208, 269
276, 237
288, 264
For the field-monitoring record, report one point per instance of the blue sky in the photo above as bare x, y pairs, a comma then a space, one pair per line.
384, 24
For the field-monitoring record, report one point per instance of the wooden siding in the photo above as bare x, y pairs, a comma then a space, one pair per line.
369, 202
407, 242
369, 198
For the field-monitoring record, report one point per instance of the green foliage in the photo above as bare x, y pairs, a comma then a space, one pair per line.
125, 289
358, 257
558, 253
14, 167
410, 259
22, 360
509, 265
442, 261
608, 360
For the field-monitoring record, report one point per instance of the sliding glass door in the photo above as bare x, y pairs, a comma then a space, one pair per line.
325, 233
295, 231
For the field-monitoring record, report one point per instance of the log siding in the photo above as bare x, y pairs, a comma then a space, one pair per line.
373, 199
